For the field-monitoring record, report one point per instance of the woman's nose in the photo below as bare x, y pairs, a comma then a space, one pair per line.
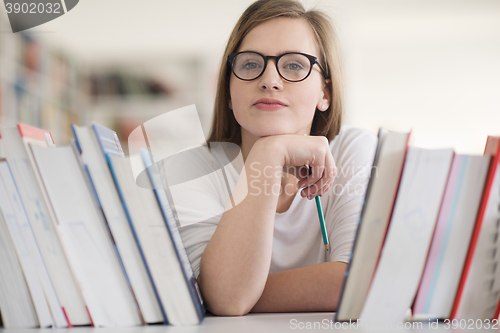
271, 79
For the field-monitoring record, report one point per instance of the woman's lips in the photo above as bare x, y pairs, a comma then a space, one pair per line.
269, 104
268, 107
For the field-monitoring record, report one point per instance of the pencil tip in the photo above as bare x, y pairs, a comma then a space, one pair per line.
327, 246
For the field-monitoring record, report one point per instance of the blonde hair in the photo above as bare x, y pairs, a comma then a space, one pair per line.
327, 123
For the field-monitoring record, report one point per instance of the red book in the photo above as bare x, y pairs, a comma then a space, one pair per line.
27, 131
376, 213
478, 292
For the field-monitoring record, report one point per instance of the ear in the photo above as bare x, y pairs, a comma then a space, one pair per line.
325, 100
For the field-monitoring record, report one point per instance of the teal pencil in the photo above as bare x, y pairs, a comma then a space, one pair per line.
322, 223
321, 220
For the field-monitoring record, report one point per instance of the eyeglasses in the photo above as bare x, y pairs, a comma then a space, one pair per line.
292, 66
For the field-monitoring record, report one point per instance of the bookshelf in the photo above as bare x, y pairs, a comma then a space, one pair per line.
50, 89
38, 86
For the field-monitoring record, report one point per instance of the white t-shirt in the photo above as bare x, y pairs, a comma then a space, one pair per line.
200, 192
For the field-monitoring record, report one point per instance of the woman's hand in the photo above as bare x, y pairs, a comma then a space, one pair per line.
298, 152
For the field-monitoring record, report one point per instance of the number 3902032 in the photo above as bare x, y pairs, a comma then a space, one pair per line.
33, 8
471, 324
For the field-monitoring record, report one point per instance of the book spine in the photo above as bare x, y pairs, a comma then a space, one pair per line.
173, 232
61, 320
408, 145
136, 238
493, 169
358, 229
175, 237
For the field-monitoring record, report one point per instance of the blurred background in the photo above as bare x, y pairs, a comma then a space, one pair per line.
429, 65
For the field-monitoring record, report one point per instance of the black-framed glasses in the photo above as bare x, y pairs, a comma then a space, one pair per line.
291, 66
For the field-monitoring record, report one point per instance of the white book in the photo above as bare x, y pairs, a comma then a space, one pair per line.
377, 209
16, 306
191, 309
109, 199
23, 254
87, 242
27, 232
15, 142
409, 235
155, 241
452, 236
479, 291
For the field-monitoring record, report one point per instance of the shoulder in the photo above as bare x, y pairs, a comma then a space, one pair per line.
198, 161
353, 144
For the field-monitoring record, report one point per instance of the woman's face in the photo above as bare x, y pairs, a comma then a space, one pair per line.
288, 107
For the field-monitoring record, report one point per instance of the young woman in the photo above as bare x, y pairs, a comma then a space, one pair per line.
279, 98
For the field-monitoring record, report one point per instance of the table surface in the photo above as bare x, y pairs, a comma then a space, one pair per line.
262, 323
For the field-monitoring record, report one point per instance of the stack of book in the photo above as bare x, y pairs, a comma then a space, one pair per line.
427, 244
81, 243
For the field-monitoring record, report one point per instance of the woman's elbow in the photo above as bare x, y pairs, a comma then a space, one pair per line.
229, 308
221, 300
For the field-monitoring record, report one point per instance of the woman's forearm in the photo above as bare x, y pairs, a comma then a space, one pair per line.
311, 288
235, 264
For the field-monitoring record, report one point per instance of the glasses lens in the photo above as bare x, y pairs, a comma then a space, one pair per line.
248, 65
294, 67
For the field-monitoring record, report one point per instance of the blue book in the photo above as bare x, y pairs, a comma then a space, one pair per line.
95, 143
183, 259
135, 204
108, 141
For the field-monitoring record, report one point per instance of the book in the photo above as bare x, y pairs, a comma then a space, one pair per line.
374, 219
58, 316
478, 292
145, 222
452, 236
409, 235
86, 239
16, 305
154, 240
15, 143
188, 302
93, 143
23, 255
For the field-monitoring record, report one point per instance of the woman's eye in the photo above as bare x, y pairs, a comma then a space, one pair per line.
294, 66
250, 65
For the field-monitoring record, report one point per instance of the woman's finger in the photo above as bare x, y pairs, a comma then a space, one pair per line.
324, 183
318, 188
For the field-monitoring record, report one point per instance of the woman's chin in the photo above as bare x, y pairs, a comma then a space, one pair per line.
279, 132
274, 133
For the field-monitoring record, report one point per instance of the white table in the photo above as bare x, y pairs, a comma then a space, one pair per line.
256, 323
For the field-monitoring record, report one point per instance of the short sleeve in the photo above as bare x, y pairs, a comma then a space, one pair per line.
353, 151
199, 195
196, 237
